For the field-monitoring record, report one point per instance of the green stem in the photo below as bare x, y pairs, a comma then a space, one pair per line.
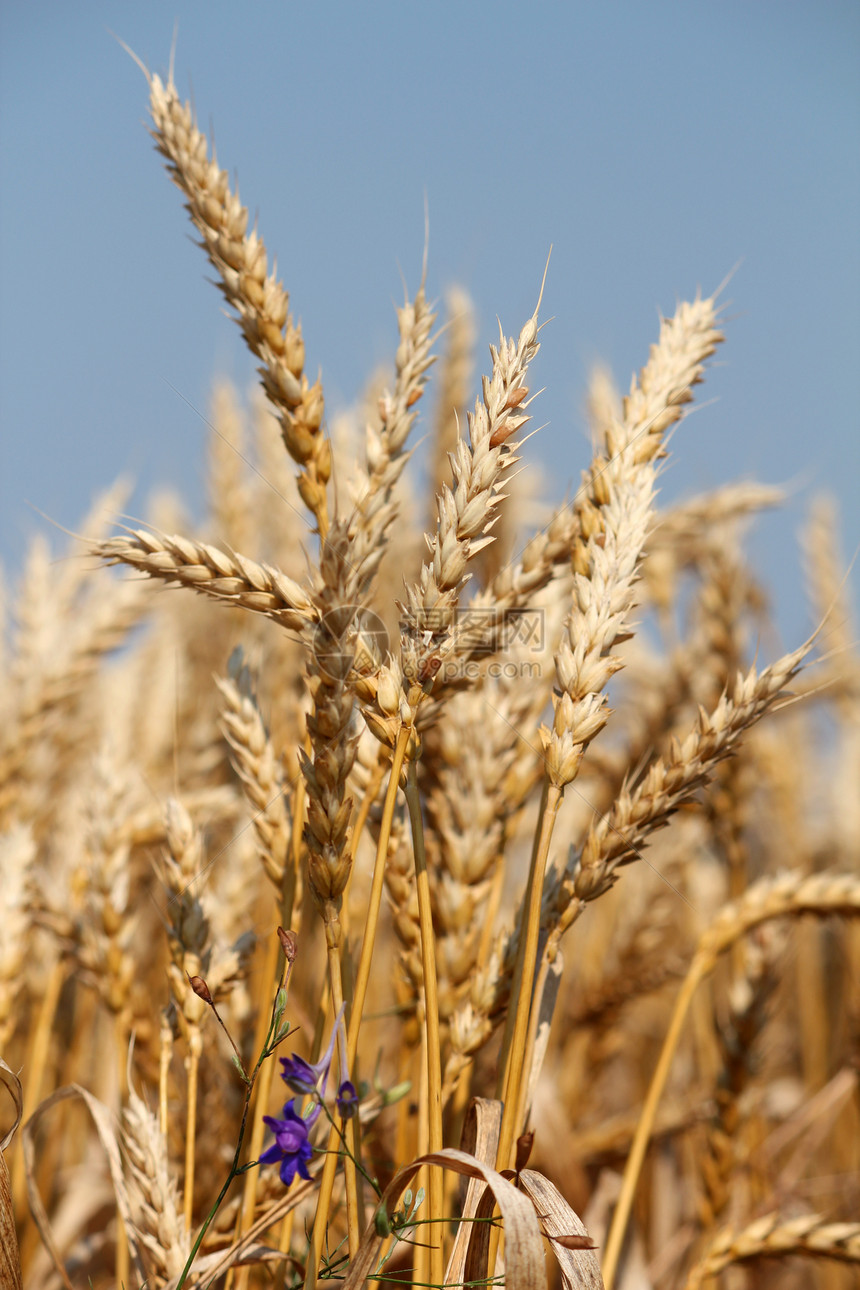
235, 1168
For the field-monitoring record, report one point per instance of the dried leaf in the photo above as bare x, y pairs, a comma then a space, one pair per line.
580, 1267
524, 1256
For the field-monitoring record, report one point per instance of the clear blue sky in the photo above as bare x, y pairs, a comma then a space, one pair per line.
654, 145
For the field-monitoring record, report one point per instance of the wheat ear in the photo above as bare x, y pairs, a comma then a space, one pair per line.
454, 386
17, 865
726, 1142
231, 505
617, 839
775, 1237
263, 781
385, 445
614, 509
259, 299
466, 513
158, 1225
228, 577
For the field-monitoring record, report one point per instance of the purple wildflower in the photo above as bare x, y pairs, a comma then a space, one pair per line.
300, 1075
291, 1146
347, 1100
311, 1078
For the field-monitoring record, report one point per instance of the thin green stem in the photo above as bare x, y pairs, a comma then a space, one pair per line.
271, 1043
339, 1130
258, 1128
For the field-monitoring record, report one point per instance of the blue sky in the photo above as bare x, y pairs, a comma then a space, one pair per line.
654, 145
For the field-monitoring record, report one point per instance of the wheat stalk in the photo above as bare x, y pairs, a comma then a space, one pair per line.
778, 897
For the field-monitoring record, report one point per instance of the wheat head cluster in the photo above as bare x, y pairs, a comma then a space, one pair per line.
347, 933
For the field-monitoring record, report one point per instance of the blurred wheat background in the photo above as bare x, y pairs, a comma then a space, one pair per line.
559, 801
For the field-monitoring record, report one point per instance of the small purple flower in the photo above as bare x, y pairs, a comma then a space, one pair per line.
347, 1100
311, 1078
300, 1075
291, 1146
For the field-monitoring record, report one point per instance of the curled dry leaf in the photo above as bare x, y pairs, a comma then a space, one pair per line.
570, 1243
13, 1088
479, 1138
524, 1257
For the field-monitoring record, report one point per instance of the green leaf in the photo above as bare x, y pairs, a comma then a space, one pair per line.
396, 1093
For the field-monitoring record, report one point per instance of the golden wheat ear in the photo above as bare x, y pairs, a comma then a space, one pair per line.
258, 298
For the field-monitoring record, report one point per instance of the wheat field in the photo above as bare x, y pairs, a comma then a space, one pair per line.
290, 987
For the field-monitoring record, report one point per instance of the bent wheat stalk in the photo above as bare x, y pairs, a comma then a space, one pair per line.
786, 894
